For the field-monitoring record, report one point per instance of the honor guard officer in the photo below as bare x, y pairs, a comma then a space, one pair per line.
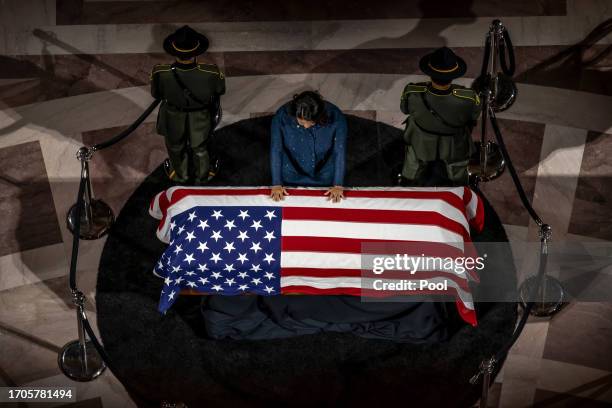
190, 94
440, 121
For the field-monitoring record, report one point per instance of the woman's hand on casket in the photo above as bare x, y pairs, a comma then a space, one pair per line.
278, 193
335, 194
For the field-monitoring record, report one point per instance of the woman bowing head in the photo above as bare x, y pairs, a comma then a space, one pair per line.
308, 146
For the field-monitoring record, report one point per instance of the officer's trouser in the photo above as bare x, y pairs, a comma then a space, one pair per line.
413, 169
188, 151
457, 172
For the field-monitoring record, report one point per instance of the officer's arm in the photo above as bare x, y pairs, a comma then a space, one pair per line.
470, 97
408, 90
276, 149
404, 100
340, 149
476, 109
155, 91
220, 84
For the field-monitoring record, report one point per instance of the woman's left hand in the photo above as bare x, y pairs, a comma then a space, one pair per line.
335, 194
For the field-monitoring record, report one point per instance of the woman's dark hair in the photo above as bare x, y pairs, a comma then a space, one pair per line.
308, 105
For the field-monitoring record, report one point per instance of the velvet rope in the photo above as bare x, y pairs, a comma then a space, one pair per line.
126, 132
487, 365
507, 43
77, 230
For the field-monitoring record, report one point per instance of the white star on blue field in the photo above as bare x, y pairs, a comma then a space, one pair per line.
223, 250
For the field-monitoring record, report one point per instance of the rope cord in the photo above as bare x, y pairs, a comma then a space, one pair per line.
485, 59
507, 43
75, 240
126, 132
75, 236
512, 170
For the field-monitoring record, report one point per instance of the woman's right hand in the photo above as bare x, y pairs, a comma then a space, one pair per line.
278, 193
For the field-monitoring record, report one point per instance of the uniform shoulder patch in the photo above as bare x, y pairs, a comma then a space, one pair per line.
411, 88
160, 68
415, 88
466, 93
211, 69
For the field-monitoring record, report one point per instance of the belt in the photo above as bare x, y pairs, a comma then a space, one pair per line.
194, 109
433, 132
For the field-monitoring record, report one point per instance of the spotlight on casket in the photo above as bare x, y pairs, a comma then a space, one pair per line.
498, 92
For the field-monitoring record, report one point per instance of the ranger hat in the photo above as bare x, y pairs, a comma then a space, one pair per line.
185, 43
443, 64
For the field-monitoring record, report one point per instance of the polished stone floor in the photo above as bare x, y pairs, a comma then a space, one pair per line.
76, 72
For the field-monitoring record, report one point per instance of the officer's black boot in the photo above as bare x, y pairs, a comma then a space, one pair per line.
179, 164
201, 165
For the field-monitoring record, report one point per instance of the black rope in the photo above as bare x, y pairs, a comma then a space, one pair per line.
126, 132
508, 66
73, 287
485, 59
97, 345
512, 170
80, 202
76, 233
485, 108
544, 236
507, 42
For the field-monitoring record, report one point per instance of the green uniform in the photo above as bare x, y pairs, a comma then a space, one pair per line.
444, 135
184, 122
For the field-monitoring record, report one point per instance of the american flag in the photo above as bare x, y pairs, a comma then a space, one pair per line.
233, 241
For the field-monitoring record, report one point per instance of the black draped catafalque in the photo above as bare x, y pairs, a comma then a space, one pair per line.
189, 91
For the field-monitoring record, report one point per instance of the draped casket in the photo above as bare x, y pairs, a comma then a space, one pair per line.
235, 241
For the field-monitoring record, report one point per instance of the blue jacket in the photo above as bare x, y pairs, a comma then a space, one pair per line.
308, 147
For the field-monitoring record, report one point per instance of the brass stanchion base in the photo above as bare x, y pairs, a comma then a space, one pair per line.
100, 223
553, 300
495, 163
71, 363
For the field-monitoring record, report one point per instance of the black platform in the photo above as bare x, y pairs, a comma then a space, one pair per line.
169, 358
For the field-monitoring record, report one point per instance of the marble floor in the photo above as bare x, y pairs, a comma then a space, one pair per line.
76, 72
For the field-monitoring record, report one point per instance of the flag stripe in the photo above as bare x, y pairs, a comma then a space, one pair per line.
431, 218
327, 260
454, 210
296, 255
374, 246
387, 275
448, 194
414, 198
365, 231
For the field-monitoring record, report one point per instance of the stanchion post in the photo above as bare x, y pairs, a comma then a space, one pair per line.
96, 216
88, 218
551, 293
79, 360
88, 196
486, 372
491, 162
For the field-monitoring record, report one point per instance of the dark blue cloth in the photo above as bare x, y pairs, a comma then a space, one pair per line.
308, 147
